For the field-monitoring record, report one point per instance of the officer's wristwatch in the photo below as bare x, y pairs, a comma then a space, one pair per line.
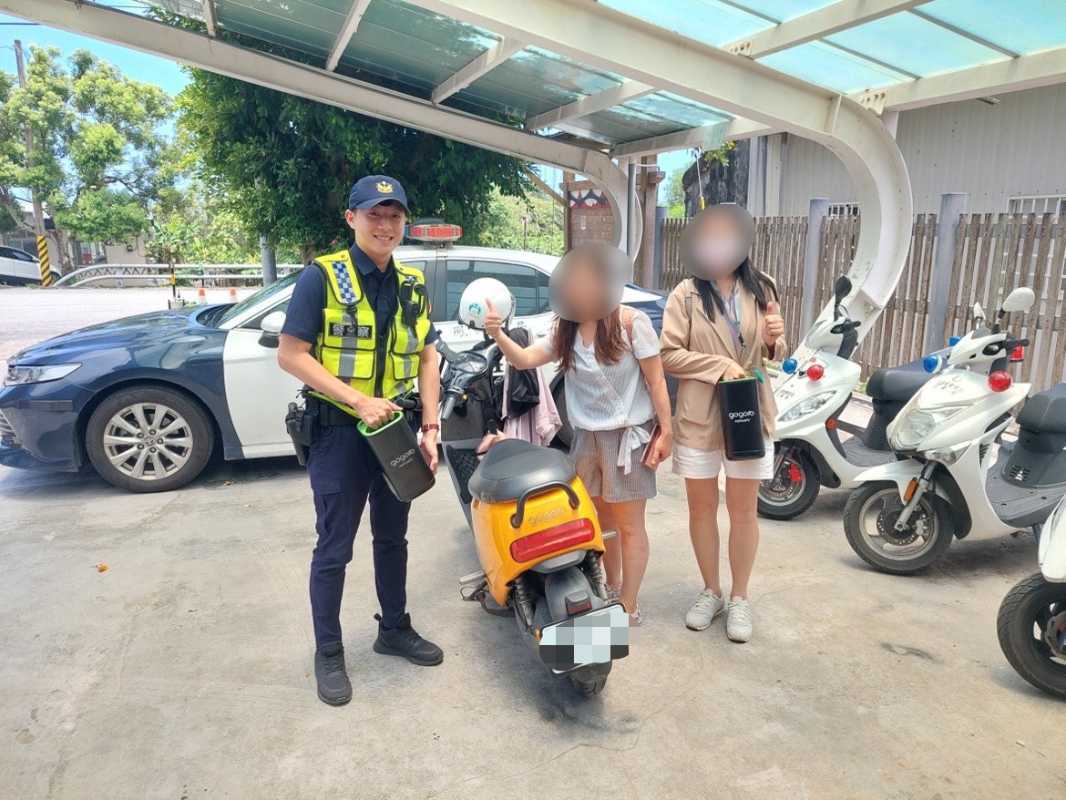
430, 426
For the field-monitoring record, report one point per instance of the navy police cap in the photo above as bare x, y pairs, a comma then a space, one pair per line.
376, 189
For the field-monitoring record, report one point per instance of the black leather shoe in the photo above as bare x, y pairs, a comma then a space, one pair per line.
334, 687
404, 641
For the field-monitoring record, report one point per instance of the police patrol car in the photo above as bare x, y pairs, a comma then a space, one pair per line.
146, 399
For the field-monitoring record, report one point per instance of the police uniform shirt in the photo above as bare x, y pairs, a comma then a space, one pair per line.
303, 317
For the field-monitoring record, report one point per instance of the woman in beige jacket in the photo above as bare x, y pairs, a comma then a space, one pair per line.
721, 327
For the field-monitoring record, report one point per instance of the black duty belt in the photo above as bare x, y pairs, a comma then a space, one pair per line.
329, 415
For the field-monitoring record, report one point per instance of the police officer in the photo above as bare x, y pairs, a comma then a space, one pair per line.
357, 333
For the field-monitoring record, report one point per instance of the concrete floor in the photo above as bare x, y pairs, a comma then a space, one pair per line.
184, 670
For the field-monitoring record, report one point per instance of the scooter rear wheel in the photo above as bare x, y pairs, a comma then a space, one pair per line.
1024, 618
792, 490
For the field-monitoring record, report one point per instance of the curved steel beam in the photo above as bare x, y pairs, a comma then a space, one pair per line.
323, 86
590, 33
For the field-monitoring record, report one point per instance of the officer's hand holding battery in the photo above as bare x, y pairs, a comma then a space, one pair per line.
374, 411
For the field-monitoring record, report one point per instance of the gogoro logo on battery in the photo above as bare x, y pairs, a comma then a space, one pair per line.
402, 459
741, 416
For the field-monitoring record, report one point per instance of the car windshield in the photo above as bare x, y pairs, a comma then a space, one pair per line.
256, 298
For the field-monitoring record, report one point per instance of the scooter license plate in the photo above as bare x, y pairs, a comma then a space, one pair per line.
595, 637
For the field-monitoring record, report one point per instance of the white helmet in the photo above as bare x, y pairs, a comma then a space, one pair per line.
472, 306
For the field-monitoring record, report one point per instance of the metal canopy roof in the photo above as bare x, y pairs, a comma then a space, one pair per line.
586, 85
882, 52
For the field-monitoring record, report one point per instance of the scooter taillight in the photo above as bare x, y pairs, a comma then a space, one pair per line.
551, 540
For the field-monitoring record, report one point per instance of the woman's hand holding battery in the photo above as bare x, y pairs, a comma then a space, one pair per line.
733, 372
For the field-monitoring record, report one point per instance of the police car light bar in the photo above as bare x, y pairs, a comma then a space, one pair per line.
435, 232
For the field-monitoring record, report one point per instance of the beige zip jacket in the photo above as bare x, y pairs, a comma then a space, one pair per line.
697, 351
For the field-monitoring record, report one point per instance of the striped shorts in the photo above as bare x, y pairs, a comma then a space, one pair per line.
596, 455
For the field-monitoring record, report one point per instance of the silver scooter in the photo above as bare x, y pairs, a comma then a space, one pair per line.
1032, 617
945, 484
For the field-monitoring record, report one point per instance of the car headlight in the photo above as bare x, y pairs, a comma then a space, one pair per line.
913, 427
32, 373
808, 406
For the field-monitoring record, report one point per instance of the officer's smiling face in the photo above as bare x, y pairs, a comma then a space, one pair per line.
378, 230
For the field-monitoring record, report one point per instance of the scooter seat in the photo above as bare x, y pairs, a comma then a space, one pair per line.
513, 466
1045, 412
896, 384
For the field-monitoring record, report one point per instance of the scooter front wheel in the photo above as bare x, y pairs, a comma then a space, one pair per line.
869, 521
1032, 633
792, 490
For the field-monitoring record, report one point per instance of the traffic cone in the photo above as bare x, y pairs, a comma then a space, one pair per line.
233, 294
201, 296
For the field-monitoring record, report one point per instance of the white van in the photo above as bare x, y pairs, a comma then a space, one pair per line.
19, 268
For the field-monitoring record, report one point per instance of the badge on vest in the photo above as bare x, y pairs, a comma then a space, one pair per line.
347, 330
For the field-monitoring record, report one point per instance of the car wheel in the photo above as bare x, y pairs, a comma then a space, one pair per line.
149, 439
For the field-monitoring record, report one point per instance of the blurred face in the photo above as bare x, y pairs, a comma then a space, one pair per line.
378, 230
717, 241
587, 284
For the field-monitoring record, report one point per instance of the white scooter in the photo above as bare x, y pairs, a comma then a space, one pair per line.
945, 484
1032, 617
811, 397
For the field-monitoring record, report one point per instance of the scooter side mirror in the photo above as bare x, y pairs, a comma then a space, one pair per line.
841, 288
978, 315
1021, 299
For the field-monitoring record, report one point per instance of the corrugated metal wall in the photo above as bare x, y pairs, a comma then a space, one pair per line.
991, 152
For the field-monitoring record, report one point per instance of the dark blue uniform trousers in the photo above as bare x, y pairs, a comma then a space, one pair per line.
344, 474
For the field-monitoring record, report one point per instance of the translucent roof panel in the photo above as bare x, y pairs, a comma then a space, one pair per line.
785, 9
819, 63
1023, 26
914, 44
307, 26
706, 21
652, 115
411, 48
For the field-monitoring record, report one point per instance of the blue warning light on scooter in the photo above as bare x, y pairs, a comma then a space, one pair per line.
789, 366
954, 340
931, 363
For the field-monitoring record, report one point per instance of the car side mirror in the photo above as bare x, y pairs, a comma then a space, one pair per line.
271, 328
1021, 299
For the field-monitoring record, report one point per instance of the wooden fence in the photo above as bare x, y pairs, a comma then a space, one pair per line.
994, 253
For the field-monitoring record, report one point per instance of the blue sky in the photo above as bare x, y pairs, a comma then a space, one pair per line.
170, 76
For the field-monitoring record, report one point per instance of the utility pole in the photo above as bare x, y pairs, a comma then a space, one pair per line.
38, 208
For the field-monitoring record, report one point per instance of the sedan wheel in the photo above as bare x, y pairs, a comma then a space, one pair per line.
149, 439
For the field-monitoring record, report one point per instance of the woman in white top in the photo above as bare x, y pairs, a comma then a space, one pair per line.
615, 391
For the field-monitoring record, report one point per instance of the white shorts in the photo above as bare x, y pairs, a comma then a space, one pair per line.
689, 462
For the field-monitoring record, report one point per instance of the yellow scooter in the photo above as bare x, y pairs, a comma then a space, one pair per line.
535, 528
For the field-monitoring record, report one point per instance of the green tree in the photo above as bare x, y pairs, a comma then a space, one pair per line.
675, 195
100, 161
286, 163
532, 223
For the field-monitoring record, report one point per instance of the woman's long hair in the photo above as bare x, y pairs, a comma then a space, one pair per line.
750, 278
609, 342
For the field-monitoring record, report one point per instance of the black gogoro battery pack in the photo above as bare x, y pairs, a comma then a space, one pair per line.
394, 444
741, 419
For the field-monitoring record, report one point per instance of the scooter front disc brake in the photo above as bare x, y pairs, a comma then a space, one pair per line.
886, 524
1055, 633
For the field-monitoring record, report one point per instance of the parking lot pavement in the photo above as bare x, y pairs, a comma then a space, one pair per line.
184, 670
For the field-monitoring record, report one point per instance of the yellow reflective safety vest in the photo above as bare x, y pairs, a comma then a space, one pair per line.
348, 345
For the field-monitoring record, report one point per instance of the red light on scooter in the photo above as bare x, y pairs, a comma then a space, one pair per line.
552, 540
1017, 354
999, 381
815, 372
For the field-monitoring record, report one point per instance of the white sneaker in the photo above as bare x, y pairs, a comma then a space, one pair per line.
738, 620
707, 606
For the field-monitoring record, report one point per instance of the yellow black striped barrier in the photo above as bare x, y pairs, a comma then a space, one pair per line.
46, 266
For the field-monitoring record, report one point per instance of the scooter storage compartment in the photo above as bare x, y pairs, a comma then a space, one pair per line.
741, 419
1038, 459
